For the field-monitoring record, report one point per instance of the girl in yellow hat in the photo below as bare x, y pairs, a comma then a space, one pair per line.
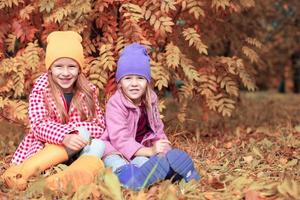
64, 113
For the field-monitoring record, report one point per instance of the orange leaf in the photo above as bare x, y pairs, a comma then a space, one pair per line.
17, 28
111, 85
23, 30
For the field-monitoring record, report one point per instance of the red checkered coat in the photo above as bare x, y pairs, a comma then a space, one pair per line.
46, 127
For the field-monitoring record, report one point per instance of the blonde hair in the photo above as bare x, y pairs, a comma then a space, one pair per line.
81, 86
147, 97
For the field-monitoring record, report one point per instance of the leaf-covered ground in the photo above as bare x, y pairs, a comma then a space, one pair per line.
255, 155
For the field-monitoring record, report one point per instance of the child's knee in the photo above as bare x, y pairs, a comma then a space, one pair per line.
96, 148
139, 160
83, 132
97, 143
115, 162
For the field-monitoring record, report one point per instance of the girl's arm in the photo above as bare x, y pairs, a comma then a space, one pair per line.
159, 147
96, 127
161, 141
145, 151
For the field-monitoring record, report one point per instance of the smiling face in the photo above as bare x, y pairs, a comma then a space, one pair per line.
64, 73
134, 87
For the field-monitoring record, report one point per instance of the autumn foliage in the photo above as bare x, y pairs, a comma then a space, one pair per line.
182, 37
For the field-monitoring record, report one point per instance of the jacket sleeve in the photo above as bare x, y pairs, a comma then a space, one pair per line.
43, 127
120, 137
96, 126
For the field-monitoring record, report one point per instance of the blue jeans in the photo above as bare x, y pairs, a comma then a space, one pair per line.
95, 148
116, 161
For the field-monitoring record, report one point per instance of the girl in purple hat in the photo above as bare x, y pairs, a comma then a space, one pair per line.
137, 148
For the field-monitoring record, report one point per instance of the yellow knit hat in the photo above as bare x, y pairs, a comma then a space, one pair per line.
64, 44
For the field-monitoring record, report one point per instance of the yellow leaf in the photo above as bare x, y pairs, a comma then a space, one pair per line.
84, 191
256, 151
195, 8
220, 4
152, 19
251, 54
172, 55
25, 12
135, 12
113, 184
148, 14
254, 42
291, 163
290, 189
157, 25
168, 5
248, 159
193, 38
46, 5
17, 110
248, 3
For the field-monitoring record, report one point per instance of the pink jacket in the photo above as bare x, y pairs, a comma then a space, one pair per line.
47, 127
121, 126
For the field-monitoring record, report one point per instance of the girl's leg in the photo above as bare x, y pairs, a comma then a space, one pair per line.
182, 164
82, 171
115, 162
50, 155
139, 161
83, 132
136, 178
96, 148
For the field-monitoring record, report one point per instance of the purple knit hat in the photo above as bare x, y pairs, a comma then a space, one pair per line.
134, 60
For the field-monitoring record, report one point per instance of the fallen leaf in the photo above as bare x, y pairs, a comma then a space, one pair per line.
297, 128
264, 130
228, 145
289, 188
209, 196
248, 159
113, 184
215, 183
253, 195
291, 163
249, 130
256, 151
283, 161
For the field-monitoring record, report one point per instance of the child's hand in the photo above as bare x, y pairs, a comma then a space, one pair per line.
74, 142
161, 146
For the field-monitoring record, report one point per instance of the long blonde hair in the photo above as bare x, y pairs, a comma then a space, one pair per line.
147, 97
81, 86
